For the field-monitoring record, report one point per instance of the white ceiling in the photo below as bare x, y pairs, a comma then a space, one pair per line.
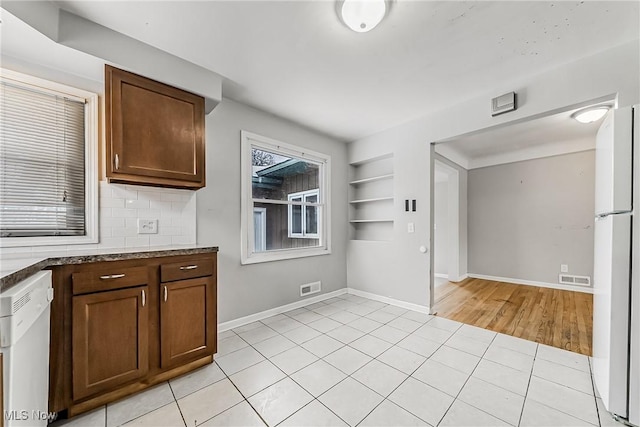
546, 136
295, 59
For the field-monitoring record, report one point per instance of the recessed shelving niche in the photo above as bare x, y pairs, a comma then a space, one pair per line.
371, 199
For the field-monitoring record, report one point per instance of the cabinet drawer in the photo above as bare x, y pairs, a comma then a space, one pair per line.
107, 279
186, 270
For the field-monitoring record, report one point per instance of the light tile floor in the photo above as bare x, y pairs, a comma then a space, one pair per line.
352, 361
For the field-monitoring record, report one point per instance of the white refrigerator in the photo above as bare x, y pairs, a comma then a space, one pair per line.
616, 302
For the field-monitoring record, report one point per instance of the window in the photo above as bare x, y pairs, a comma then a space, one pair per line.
303, 218
48, 180
285, 200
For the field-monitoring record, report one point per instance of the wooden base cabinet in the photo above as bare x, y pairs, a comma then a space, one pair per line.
187, 315
110, 343
119, 327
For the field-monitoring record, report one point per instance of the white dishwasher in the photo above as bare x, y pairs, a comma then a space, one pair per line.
24, 344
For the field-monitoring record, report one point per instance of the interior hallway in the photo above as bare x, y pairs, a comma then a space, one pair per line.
558, 318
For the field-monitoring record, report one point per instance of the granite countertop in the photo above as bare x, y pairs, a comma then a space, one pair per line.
17, 267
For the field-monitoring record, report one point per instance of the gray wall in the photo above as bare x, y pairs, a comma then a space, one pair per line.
248, 289
527, 218
441, 219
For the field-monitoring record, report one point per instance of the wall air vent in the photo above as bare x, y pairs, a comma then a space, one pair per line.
503, 104
569, 279
310, 288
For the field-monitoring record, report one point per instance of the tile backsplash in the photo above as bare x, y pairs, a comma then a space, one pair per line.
122, 205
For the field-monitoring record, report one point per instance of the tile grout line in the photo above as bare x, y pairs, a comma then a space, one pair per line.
465, 383
593, 387
526, 393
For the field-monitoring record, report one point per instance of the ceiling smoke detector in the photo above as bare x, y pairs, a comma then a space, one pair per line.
362, 15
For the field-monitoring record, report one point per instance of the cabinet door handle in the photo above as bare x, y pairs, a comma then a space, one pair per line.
144, 298
165, 294
188, 267
112, 276
117, 162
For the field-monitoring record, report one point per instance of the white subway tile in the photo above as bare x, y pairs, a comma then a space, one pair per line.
131, 223
124, 213
105, 213
136, 204
159, 205
111, 222
148, 195
171, 196
111, 203
112, 242
149, 213
121, 192
136, 242
104, 191
123, 231
159, 240
170, 231
105, 232
182, 240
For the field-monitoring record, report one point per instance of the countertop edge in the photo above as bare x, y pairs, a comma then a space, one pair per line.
11, 279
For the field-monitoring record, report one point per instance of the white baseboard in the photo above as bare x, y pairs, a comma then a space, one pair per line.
441, 275
586, 290
387, 300
231, 324
461, 278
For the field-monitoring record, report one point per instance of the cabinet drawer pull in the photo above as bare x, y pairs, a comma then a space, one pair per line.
117, 162
144, 298
165, 294
188, 267
112, 276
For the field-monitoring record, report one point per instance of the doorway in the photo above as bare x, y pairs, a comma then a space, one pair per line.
446, 227
527, 209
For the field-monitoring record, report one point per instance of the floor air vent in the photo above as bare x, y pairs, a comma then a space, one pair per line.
310, 288
569, 279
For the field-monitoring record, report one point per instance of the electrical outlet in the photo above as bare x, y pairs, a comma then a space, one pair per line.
411, 227
147, 226
564, 268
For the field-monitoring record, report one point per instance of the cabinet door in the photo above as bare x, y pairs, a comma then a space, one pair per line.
187, 320
109, 340
155, 132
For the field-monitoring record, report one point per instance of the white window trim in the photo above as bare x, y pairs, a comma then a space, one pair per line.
91, 163
247, 255
304, 204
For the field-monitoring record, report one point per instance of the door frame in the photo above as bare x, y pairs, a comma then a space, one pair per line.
453, 244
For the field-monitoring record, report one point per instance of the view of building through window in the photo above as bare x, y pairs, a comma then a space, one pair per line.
287, 208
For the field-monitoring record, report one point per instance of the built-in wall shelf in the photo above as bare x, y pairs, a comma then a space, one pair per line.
375, 199
371, 198
371, 179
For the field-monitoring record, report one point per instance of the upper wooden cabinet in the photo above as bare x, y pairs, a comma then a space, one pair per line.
155, 132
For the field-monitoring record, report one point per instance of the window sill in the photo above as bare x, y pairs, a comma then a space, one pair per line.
260, 257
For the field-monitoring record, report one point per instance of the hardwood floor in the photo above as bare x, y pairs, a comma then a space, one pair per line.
554, 317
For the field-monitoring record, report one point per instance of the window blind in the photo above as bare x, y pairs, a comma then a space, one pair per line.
42, 163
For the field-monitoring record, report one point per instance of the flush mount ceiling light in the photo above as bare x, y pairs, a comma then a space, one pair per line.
362, 15
591, 114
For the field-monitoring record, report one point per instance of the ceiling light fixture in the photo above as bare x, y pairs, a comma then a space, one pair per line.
591, 114
362, 15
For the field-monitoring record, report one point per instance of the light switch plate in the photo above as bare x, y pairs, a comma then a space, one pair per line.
147, 226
